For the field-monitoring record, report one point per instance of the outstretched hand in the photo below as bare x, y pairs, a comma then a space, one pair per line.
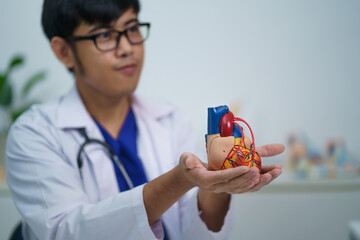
234, 180
268, 172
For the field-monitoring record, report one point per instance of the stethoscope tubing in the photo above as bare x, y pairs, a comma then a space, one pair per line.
113, 156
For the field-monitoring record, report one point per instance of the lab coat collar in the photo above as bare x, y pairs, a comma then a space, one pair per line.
72, 113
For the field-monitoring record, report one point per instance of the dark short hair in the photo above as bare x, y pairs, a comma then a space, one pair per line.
62, 17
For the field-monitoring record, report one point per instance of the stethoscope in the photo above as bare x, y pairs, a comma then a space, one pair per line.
113, 156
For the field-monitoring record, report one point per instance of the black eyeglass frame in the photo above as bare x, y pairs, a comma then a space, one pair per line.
125, 32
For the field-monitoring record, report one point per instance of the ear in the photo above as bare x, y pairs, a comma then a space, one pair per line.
63, 51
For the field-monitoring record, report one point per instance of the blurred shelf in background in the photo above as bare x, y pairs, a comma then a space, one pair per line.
335, 185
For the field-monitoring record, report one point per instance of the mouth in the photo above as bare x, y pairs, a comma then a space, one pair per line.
128, 69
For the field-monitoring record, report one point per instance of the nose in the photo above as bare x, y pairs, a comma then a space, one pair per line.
125, 48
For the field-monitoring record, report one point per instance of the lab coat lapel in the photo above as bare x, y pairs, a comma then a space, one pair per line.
73, 115
153, 148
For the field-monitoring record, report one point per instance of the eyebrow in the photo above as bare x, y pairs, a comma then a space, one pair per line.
97, 27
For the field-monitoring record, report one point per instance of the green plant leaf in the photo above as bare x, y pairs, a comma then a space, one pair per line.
15, 62
18, 111
2, 83
6, 96
32, 82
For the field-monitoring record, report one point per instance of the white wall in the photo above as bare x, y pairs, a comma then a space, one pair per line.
292, 65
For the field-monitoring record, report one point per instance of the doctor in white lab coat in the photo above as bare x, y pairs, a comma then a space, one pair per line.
58, 200
57, 204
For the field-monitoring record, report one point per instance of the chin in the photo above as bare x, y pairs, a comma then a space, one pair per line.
124, 92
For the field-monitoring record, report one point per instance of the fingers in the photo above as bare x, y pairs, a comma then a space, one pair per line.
269, 174
226, 175
266, 178
270, 149
237, 184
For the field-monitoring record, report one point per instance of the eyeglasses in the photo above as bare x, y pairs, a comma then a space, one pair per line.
109, 40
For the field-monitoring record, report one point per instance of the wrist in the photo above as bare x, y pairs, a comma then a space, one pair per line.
162, 192
181, 180
206, 196
213, 207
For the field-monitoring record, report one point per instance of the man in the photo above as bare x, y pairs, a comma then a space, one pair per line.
63, 156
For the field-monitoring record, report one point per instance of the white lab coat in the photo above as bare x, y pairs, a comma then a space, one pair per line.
55, 203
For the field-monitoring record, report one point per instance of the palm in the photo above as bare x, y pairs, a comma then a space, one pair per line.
234, 180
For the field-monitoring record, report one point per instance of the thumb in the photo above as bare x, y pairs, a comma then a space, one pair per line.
190, 160
270, 149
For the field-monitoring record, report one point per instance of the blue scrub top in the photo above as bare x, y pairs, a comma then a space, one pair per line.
126, 149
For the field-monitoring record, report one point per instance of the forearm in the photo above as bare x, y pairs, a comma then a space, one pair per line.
161, 193
213, 207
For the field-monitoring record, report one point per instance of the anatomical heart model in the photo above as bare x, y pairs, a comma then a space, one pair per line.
226, 144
